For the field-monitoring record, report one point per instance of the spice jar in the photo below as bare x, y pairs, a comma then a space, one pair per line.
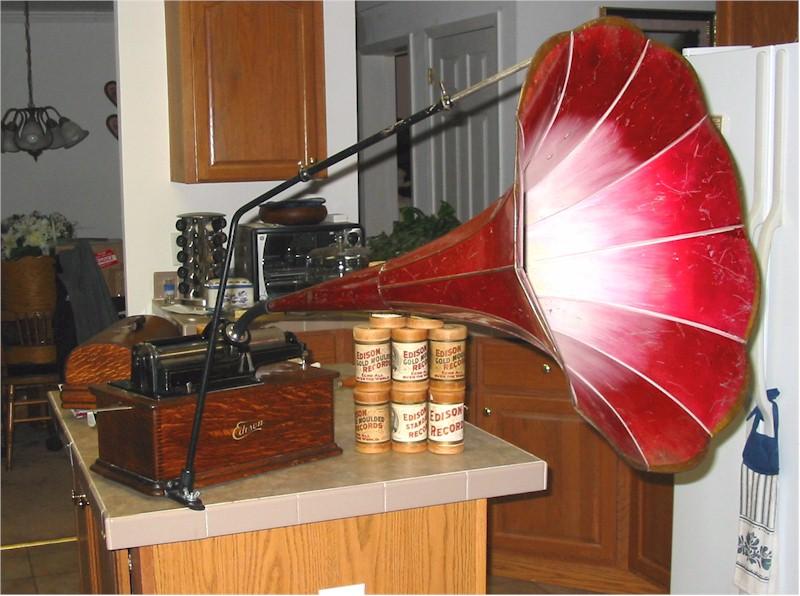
372, 417
373, 354
409, 355
387, 320
446, 417
448, 353
409, 416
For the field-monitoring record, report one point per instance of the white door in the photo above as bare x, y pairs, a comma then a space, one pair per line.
465, 142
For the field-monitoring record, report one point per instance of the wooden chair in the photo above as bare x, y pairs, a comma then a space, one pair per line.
29, 370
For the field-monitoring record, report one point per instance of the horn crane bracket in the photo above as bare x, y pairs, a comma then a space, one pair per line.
619, 250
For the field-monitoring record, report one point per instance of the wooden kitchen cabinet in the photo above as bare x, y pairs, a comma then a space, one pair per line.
329, 346
102, 571
755, 23
246, 89
600, 525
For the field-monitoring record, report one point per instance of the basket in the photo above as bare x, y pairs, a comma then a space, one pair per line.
29, 284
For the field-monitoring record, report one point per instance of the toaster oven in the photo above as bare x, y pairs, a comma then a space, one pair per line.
281, 259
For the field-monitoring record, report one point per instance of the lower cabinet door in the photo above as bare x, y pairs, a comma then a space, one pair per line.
329, 346
88, 562
102, 571
600, 525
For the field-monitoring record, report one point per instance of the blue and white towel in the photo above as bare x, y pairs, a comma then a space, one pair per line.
758, 503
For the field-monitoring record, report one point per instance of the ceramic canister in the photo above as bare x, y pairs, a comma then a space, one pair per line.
238, 293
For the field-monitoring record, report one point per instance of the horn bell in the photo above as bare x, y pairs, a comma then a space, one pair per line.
620, 250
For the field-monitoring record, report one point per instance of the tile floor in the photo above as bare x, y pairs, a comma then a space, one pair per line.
35, 505
50, 569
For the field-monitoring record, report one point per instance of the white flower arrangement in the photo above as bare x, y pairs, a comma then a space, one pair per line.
34, 234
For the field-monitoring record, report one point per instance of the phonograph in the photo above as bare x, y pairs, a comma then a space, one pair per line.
619, 250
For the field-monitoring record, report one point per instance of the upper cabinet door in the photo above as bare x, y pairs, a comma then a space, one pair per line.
246, 89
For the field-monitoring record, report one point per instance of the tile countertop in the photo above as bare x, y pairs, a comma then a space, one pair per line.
338, 487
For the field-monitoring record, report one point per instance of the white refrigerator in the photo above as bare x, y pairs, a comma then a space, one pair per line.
753, 93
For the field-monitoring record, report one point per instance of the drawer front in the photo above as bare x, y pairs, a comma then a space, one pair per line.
510, 365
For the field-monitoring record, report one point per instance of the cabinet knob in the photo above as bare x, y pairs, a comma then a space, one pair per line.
79, 500
546, 369
487, 411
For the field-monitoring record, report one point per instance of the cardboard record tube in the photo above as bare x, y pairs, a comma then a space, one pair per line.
372, 417
388, 320
415, 322
409, 416
446, 417
409, 354
372, 351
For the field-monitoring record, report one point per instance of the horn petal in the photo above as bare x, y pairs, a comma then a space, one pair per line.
620, 249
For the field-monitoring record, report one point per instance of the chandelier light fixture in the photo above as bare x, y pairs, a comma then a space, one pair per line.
35, 129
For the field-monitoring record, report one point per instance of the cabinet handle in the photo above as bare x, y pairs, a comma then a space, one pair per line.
487, 411
302, 169
79, 500
546, 369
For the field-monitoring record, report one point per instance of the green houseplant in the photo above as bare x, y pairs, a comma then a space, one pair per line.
412, 230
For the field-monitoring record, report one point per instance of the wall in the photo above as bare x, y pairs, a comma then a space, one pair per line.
73, 58
150, 200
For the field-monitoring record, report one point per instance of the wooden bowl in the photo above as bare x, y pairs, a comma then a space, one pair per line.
301, 212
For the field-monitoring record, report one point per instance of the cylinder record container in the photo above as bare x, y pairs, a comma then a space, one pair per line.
409, 355
415, 322
448, 353
409, 402
372, 354
446, 417
388, 320
373, 430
